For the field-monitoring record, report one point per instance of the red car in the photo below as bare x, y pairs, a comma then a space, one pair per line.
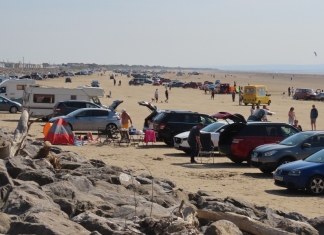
156, 83
190, 85
239, 139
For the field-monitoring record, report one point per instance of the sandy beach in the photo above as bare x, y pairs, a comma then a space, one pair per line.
224, 178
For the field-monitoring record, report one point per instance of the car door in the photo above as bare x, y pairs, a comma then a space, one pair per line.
83, 121
3, 104
99, 119
272, 134
316, 142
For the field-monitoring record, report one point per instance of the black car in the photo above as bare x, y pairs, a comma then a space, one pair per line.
148, 121
169, 123
52, 75
65, 107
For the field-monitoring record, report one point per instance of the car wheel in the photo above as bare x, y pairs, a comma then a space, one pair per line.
235, 160
285, 161
269, 102
112, 128
266, 170
13, 109
315, 185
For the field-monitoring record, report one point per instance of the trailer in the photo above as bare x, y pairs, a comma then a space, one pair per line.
13, 89
40, 100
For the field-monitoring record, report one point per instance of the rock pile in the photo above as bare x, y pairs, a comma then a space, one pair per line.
90, 197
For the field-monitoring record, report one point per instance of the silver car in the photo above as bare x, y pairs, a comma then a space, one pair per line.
91, 119
9, 105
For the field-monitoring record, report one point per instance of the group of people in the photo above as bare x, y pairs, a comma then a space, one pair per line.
294, 122
291, 91
156, 95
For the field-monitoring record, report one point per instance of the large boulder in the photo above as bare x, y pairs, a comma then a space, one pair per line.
18, 164
5, 221
297, 227
318, 223
41, 177
6, 183
223, 227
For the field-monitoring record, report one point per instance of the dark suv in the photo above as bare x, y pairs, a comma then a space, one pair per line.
169, 123
190, 85
238, 140
65, 107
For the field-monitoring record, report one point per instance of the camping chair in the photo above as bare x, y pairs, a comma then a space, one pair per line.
207, 146
124, 137
110, 137
149, 136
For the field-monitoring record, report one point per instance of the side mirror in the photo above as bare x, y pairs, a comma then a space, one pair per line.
306, 145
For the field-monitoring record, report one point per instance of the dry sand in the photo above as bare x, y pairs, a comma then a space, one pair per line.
224, 178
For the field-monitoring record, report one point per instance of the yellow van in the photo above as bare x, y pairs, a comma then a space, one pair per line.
256, 94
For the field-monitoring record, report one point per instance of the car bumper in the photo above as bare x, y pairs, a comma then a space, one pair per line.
286, 181
255, 162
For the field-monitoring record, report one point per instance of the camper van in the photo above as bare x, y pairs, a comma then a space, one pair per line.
13, 89
40, 100
256, 94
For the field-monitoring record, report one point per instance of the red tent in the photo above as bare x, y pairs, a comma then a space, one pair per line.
60, 133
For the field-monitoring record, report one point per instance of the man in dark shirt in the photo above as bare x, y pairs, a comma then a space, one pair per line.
313, 116
194, 139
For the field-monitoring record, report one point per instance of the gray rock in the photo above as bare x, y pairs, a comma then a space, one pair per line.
5, 221
318, 223
223, 227
41, 177
143, 180
97, 163
46, 223
95, 233
297, 227
6, 183
166, 181
17, 164
205, 193
71, 165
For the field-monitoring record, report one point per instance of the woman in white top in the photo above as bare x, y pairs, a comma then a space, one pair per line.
252, 109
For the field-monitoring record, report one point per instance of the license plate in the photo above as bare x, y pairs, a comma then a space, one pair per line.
280, 178
254, 159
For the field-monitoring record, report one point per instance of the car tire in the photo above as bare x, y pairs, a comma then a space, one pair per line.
112, 127
315, 185
285, 160
13, 109
235, 160
269, 102
266, 170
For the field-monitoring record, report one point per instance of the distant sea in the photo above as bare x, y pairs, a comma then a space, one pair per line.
297, 69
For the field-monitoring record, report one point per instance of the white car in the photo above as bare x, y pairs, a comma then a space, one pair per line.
180, 140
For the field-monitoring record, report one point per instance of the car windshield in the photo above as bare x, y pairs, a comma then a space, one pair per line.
295, 139
213, 127
72, 114
317, 157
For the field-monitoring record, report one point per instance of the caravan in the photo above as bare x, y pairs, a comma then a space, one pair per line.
40, 100
13, 89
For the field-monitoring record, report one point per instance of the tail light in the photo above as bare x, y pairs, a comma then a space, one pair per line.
59, 109
236, 141
162, 125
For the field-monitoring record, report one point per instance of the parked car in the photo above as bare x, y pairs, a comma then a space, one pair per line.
156, 83
190, 85
177, 84
320, 96
238, 140
304, 93
91, 119
95, 83
303, 174
9, 105
181, 140
172, 122
148, 81
148, 121
52, 75
136, 81
299, 146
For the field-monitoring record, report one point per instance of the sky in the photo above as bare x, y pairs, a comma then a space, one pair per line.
185, 33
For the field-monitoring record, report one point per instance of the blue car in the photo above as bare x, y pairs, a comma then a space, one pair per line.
303, 174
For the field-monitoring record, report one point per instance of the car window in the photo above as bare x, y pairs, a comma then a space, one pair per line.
316, 141
85, 113
288, 131
273, 131
175, 117
206, 120
90, 105
251, 130
3, 89
191, 118
100, 113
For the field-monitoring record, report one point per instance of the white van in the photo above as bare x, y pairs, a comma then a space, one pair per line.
13, 89
40, 100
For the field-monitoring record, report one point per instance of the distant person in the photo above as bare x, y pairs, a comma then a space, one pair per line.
313, 117
166, 95
212, 94
114, 82
125, 119
119, 84
240, 97
291, 116
233, 95
289, 91
156, 95
170, 85
267, 112
234, 84
292, 91
252, 109
194, 140
297, 126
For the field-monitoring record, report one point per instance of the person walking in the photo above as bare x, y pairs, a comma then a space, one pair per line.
240, 97
288, 91
233, 95
166, 95
125, 119
291, 116
313, 116
156, 95
194, 140
212, 94
114, 82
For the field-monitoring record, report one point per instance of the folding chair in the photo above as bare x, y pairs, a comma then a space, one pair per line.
207, 147
124, 137
110, 137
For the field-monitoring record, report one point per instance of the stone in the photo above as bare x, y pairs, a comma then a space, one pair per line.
18, 164
6, 183
97, 163
318, 224
41, 177
143, 180
205, 193
5, 221
222, 227
297, 227
126, 179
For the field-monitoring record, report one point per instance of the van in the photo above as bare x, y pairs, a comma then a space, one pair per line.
13, 89
256, 94
305, 94
40, 100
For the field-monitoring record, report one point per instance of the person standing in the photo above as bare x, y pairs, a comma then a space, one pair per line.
313, 116
288, 91
233, 95
240, 97
114, 82
252, 109
291, 116
166, 95
156, 95
212, 94
292, 91
194, 140
125, 119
